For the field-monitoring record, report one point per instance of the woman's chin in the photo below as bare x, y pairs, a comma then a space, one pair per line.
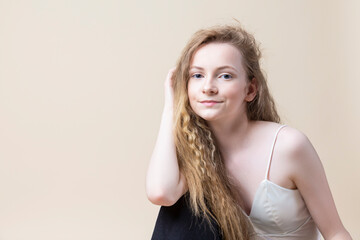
209, 117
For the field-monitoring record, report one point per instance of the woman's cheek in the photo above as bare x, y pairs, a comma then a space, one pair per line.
192, 93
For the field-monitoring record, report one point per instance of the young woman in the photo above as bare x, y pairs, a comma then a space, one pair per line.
222, 151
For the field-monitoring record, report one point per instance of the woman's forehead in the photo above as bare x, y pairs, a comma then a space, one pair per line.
217, 55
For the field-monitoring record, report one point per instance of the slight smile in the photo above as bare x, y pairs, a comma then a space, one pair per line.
210, 103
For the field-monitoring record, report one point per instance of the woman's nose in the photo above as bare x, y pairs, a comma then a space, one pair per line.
209, 87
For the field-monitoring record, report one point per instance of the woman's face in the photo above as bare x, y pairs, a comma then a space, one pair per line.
218, 86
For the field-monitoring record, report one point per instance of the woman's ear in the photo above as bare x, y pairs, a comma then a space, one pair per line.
252, 89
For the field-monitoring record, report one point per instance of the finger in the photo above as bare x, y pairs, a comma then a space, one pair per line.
170, 76
171, 72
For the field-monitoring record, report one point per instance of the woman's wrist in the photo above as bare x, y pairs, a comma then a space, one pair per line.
168, 109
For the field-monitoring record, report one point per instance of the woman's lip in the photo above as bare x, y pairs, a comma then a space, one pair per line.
209, 103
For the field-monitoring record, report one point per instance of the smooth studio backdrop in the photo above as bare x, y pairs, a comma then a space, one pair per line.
81, 95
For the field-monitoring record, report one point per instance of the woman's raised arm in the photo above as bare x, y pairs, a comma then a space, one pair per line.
164, 182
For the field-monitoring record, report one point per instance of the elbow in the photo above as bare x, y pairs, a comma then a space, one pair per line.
160, 197
341, 235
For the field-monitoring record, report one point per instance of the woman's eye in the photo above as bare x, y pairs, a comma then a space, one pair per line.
197, 75
226, 76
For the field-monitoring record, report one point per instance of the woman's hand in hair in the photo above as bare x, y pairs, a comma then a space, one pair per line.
169, 88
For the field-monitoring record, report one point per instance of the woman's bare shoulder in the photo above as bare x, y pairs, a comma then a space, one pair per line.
296, 152
289, 139
293, 141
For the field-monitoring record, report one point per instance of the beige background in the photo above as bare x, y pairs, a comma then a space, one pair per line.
81, 97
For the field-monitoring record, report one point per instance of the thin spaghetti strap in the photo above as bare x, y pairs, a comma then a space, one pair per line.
271, 152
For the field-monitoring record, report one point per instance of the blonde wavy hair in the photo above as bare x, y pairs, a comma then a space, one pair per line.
212, 193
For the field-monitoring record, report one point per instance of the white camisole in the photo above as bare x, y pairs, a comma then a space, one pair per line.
280, 213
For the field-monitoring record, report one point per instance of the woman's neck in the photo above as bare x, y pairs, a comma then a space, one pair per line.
231, 135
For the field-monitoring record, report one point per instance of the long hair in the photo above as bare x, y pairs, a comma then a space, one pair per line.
212, 193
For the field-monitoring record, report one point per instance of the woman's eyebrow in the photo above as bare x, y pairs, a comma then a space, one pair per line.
219, 68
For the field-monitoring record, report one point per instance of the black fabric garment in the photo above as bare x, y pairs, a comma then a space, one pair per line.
177, 222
